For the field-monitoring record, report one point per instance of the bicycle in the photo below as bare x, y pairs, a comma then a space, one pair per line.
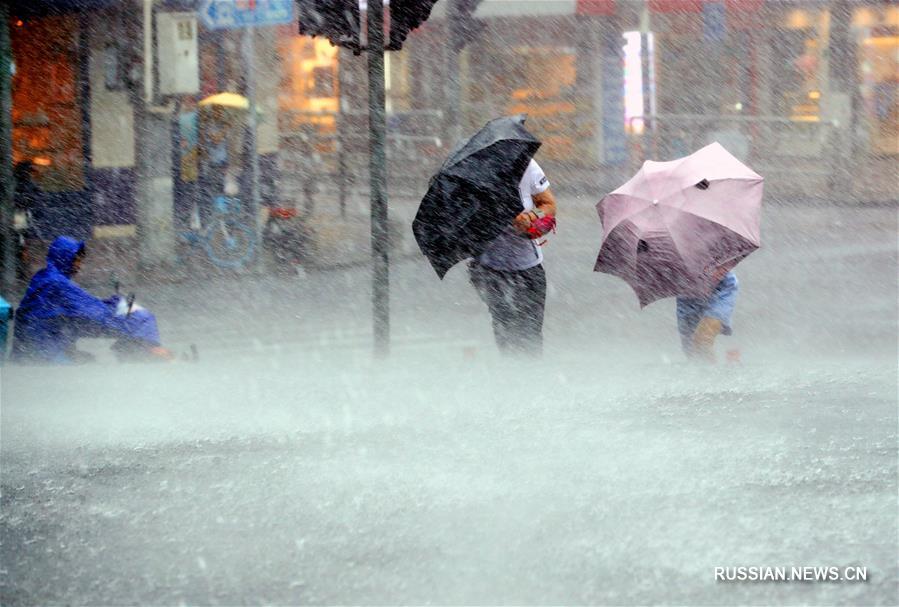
26, 229
228, 242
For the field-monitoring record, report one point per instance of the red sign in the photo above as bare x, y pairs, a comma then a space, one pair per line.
595, 7
743, 5
675, 6
695, 6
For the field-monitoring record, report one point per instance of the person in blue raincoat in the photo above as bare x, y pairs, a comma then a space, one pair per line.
56, 312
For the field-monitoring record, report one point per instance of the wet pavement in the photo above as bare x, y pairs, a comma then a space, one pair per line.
288, 467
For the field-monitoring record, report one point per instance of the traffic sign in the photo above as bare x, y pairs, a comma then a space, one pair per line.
230, 14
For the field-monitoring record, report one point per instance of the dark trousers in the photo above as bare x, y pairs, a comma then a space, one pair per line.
211, 185
186, 196
516, 301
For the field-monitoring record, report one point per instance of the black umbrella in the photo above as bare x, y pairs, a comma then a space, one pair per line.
474, 196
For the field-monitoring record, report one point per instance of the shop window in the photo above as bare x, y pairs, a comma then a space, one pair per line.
397, 82
309, 95
633, 83
46, 108
539, 81
877, 35
798, 64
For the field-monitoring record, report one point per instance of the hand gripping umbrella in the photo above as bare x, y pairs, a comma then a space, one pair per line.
474, 196
672, 228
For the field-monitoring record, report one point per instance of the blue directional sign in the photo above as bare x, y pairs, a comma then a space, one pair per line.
229, 14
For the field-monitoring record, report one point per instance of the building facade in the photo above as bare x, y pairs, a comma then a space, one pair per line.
795, 87
803, 90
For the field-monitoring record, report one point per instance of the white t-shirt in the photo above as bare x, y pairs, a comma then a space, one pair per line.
511, 250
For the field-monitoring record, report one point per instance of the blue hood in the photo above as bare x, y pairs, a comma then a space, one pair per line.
61, 254
56, 312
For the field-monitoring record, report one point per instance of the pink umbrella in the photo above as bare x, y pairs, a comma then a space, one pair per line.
675, 227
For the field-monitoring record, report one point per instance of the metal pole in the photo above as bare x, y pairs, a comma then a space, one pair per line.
378, 179
451, 86
7, 188
342, 100
84, 103
342, 167
153, 157
249, 51
178, 194
646, 65
843, 85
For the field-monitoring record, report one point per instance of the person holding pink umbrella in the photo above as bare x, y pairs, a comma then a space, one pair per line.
701, 319
677, 229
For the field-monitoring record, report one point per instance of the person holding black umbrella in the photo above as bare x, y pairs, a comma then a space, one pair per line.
509, 275
490, 202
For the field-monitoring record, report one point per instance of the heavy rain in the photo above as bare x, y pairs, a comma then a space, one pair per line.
593, 302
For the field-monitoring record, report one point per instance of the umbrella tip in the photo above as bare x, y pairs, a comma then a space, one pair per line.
703, 185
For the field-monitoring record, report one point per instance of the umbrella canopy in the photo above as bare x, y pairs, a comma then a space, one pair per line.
672, 228
474, 196
227, 100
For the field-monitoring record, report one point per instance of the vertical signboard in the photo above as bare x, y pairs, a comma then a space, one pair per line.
614, 137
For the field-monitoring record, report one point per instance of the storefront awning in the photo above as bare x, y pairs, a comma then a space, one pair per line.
538, 8
524, 8
532, 8
695, 6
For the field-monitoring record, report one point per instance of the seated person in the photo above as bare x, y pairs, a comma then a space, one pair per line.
701, 320
56, 312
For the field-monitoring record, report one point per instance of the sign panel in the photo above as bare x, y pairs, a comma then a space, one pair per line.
614, 137
229, 14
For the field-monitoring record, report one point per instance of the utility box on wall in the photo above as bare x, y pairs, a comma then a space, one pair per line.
177, 58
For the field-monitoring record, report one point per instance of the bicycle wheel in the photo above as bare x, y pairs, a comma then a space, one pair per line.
230, 244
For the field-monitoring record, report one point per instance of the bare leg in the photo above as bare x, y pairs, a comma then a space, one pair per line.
702, 346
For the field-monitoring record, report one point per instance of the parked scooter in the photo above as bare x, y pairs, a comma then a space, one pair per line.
26, 234
286, 239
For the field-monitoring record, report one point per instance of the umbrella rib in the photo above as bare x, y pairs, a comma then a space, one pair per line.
673, 239
723, 227
683, 210
629, 216
686, 188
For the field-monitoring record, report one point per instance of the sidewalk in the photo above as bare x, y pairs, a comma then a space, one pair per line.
819, 285
340, 242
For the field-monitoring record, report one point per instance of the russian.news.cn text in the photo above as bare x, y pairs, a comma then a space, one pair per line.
792, 574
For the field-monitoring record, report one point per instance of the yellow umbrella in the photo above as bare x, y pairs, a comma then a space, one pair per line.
227, 100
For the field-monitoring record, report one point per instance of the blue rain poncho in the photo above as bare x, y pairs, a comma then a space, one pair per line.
56, 312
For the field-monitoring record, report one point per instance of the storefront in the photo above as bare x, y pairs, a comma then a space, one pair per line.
50, 120
540, 80
309, 91
523, 64
876, 32
47, 101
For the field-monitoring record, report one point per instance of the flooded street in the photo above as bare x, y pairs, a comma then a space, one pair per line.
288, 467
